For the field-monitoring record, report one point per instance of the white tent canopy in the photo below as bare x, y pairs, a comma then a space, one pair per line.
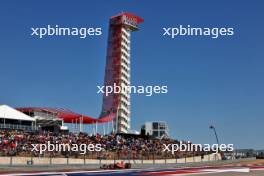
7, 112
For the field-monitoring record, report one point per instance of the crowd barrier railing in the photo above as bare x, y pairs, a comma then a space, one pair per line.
31, 161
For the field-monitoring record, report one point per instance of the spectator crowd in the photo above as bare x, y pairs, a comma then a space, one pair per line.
19, 143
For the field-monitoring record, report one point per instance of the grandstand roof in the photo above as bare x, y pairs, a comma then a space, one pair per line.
7, 112
68, 116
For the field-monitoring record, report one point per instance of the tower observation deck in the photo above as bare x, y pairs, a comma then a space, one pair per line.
117, 70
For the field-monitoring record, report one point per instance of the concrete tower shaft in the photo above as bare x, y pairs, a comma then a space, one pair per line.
117, 70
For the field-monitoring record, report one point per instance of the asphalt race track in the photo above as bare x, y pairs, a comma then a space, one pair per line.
214, 171
252, 173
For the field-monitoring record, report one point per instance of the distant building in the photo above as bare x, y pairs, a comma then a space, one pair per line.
244, 153
158, 129
260, 154
47, 119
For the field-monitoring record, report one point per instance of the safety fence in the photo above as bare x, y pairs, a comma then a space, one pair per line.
18, 127
27, 161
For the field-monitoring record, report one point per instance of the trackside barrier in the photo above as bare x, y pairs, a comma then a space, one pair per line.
27, 161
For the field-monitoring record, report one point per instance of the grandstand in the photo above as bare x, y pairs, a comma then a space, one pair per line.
21, 127
46, 119
119, 146
53, 119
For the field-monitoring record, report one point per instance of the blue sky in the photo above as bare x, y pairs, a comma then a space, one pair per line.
210, 81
